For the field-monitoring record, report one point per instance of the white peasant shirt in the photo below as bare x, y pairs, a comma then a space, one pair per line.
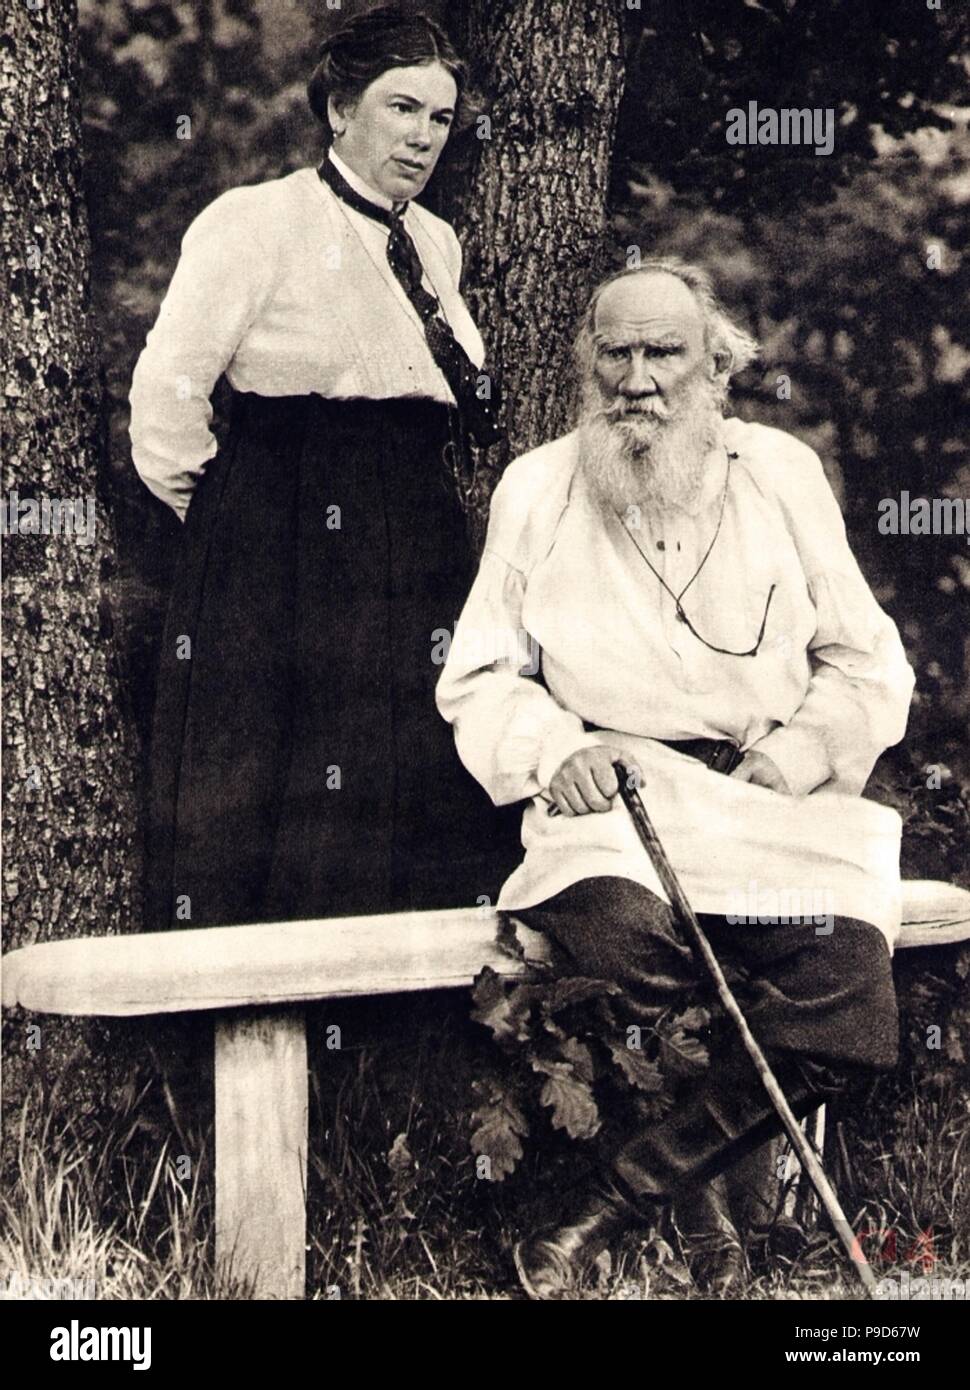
568, 639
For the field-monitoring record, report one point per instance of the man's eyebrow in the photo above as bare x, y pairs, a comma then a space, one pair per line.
638, 340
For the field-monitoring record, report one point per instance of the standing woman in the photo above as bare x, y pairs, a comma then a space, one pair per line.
299, 766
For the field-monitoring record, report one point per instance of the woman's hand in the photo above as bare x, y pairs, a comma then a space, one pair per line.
587, 782
758, 769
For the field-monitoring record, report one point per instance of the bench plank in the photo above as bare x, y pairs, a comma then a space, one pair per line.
934, 914
280, 962
261, 1149
270, 963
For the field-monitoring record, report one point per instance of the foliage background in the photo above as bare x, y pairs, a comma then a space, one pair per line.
826, 259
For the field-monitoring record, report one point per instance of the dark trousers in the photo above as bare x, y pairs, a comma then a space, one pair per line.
823, 1008
828, 997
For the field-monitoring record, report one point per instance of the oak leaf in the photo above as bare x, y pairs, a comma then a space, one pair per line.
569, 1097
499, 1125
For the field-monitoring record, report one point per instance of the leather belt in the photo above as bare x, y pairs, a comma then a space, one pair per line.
719, 754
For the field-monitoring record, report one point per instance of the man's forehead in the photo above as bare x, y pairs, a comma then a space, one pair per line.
648, 305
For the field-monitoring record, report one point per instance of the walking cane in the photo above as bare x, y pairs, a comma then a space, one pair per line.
686, 918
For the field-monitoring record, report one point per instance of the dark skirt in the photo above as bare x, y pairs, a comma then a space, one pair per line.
299, 767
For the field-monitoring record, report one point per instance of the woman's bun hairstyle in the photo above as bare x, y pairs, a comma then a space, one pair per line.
370, 44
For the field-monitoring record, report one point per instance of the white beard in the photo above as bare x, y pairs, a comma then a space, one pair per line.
650, 457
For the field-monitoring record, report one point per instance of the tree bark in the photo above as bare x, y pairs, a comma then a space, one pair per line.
69, 812
532, 216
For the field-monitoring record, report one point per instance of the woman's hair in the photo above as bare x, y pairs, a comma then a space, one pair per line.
370, 44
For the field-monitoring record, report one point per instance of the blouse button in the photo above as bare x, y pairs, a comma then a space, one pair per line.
661, 546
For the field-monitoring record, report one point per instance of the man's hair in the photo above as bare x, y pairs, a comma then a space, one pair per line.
723, 337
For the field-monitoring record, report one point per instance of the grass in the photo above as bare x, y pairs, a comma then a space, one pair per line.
85, 1220
395, 1211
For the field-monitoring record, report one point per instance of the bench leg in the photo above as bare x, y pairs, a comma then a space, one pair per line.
261, 1149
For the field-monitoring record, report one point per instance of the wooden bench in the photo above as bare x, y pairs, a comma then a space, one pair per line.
257, 979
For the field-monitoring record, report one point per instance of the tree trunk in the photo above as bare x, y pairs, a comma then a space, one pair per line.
69, 814
532, 218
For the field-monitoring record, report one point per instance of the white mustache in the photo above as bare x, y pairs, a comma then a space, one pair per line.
649, 410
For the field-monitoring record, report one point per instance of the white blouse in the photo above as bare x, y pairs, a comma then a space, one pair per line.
563, 588
287, 290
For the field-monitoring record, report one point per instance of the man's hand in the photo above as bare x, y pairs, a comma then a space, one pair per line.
758, 768
586, 781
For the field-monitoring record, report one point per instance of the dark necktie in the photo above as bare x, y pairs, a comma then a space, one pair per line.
461, 374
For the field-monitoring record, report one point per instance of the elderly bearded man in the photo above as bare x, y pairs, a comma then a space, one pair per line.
687, 581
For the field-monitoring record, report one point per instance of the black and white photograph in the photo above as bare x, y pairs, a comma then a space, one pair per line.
486, 666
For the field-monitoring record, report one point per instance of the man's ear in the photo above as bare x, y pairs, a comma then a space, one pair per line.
722, 360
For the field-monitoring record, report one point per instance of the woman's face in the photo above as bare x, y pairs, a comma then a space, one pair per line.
393, 136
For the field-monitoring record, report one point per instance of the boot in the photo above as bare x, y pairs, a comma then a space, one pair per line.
753, 1194
753, 1187
783, 1239
549, 1266
712, 1246
728, 1116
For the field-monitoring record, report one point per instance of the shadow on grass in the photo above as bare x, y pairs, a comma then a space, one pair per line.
395, 1210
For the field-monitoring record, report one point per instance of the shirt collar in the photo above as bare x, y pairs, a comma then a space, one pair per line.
359, 185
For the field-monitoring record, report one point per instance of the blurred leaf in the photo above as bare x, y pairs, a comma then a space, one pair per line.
501, 1006
682, 1054
499, 1125
574, 989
